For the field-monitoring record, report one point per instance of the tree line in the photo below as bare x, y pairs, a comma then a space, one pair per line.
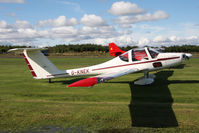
62, 48
5, 48
183, 48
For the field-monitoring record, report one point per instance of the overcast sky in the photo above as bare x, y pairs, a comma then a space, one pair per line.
134, 22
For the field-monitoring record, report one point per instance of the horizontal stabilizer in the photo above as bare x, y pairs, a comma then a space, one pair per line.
28, 49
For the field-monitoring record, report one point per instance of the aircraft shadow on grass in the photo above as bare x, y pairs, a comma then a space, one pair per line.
151, 106
181, 66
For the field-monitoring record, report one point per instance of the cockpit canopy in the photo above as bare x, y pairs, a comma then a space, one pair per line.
154, 53
124, 56
139, 54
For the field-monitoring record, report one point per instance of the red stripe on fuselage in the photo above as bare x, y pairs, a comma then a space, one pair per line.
29, 66
137, 63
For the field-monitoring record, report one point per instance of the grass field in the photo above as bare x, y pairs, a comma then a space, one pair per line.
170, 104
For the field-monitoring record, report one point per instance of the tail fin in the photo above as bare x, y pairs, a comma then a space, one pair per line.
114, 50
39, 65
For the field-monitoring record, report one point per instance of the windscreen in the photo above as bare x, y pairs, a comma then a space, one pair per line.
124, 57
154, 53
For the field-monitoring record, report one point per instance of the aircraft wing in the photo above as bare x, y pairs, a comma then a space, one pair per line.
101, 78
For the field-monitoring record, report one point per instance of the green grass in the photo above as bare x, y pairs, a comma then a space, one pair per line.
170, 104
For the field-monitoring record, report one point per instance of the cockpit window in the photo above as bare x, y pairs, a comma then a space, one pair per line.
124, 57
153, 53
139, 55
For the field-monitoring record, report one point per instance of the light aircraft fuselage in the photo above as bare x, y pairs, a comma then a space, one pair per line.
135, 60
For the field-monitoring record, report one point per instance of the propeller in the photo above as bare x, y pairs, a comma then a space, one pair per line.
187, 56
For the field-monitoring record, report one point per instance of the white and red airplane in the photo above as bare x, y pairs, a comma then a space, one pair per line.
142, 60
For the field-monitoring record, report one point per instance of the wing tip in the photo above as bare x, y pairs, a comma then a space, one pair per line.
89, 82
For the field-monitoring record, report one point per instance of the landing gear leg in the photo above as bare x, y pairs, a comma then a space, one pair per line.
146, 74
49, 81
146, 79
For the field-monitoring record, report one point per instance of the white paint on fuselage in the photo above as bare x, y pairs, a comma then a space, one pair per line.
116, 64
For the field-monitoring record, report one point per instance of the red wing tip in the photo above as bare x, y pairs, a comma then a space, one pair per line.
84, 83
70, 85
